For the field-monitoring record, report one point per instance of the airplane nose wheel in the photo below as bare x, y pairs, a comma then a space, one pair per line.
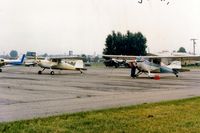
52, 72
39, 72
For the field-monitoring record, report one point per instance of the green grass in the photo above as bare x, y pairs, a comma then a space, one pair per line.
191, 67
181, 116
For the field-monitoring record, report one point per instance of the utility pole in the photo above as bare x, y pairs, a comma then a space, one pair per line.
194, 43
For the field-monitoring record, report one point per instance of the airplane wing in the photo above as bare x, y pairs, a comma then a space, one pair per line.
65, 57
193, 57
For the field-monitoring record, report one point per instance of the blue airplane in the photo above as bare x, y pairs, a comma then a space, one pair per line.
5, 62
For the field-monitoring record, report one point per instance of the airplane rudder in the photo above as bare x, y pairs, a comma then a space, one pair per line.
22, 59
79, 64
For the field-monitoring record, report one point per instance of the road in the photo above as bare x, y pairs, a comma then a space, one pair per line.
24, 94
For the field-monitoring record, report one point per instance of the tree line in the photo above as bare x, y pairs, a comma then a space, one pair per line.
127, 44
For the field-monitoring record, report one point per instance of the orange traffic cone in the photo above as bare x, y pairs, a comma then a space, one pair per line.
157, 77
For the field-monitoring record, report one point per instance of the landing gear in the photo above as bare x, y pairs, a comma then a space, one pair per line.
0, 70
176, 72
52, 72
138, 73
40, 72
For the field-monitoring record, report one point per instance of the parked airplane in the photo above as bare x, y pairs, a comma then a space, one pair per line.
115, 63
6, 62
61, 63
149, 64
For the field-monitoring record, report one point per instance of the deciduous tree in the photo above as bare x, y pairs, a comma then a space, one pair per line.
128, 44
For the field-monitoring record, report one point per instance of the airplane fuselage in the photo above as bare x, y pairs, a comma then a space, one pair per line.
61, 64
55, 65
147, 66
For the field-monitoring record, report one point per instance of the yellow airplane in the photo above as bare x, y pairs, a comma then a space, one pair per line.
61, 63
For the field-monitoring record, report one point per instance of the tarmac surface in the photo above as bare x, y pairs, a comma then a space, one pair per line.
24, 94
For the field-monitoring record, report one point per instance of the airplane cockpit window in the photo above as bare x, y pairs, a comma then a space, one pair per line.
54, 60
156, 61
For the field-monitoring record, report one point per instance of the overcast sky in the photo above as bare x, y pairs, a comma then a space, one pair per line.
57, 26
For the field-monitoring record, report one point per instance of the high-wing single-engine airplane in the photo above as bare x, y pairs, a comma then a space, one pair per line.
61, 63
151, 64
6, 62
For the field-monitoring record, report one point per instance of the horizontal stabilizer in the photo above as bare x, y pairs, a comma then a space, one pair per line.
175, 65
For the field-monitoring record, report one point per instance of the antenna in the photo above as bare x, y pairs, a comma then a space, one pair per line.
194, 43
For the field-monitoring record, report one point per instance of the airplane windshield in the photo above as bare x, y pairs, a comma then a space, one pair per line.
54, 60
156, 61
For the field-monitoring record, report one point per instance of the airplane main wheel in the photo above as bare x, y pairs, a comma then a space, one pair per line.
177, 76
39, 72
52, 73
0, 70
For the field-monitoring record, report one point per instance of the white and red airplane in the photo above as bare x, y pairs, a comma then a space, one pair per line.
150, 64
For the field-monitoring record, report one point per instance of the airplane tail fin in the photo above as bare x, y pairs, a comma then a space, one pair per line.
175, 65
22, 59
79, 65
